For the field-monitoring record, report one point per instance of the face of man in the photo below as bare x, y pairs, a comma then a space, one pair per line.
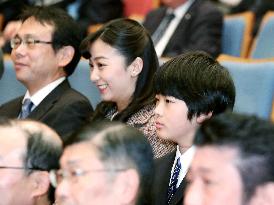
36, 65
93, 185
213, 178
15, 186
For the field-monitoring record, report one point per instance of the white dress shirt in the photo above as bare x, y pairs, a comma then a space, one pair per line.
179, 13
185, 159
37, 98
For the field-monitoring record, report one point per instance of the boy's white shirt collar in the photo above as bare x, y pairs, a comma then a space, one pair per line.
185, 159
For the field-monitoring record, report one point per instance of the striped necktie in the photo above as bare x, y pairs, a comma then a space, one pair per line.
174, 180
158, 34
26, 109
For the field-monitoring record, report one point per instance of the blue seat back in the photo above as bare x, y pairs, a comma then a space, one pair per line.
10, 88
254, 86
263, 46
236, 35
80, 81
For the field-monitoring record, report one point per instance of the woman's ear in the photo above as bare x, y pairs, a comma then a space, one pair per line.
65, 55
136, 67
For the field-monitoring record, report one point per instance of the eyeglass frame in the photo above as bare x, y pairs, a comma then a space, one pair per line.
28, 41
22, 168
53, 174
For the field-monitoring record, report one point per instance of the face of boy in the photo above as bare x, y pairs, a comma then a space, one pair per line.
172, 122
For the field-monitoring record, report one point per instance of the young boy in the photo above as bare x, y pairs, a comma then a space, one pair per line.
190, 88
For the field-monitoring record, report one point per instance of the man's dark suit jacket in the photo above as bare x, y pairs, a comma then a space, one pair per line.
199, 29
64, 109
163, 168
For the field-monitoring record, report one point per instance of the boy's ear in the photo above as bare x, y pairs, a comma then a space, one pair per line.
202, 117
136, 67
65, 55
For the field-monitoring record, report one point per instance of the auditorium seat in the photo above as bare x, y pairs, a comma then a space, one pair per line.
80, 81
237, 34
263, 45
254, 81
9, 86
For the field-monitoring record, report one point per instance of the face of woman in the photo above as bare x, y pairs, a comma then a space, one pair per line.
111, 75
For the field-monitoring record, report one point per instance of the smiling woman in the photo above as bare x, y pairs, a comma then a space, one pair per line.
123, 61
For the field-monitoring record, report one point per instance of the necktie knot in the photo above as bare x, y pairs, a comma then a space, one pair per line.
26, 108
157, 35
170, 16
174, 180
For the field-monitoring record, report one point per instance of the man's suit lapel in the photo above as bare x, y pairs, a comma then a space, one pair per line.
47, 103
158, 20
14, 108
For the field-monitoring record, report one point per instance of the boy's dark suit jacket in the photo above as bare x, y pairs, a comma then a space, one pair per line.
163, 168
199, 29
64, 109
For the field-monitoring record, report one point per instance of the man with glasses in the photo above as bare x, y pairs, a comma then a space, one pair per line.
45, 52
105, 163
28, 150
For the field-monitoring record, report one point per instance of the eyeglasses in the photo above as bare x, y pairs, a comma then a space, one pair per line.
29, 42
11, 167
57, 176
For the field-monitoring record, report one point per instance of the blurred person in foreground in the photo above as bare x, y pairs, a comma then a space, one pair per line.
28, 150
233, 163
105, 163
